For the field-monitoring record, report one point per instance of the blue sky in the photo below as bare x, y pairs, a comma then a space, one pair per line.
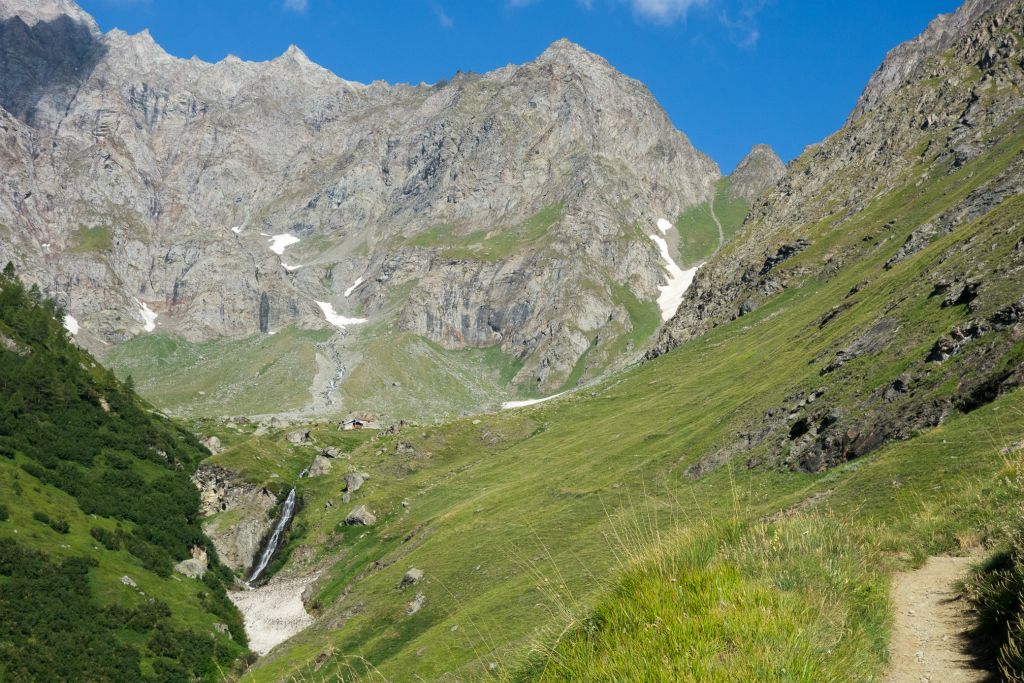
730, 73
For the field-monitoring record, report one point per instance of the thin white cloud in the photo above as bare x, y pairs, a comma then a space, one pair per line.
299, 6
442, 16
665, 11
742, 23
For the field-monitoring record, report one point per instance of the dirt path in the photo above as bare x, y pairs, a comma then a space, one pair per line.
928, 643
714, 217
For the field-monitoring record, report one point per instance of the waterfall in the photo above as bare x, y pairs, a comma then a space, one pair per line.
268, 552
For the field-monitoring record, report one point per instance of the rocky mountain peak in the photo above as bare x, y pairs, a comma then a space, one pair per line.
760, 170
33, 12
507, 210
564, 51
901, 61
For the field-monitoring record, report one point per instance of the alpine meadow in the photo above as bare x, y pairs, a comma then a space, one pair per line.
500, 377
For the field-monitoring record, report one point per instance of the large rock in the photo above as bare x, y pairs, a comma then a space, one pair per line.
195, 567
353, 482
212, 444
411, 577
298, 437
361, 516
319, 467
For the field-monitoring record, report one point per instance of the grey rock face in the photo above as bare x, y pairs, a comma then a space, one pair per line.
759, 171
494, 209
221, 490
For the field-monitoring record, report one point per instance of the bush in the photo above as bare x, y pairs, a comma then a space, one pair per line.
58, 525
997, 592
4, 514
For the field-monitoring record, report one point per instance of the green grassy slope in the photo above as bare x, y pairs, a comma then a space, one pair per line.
406, 376
520, 521
698, 232
246, 376
94, 487
489, 245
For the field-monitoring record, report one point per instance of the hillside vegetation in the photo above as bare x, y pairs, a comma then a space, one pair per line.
97, 507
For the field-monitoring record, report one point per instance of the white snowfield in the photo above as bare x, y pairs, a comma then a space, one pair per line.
339, 321
509, 405
290, 269
273, 613
148, 316
664, 225
679, 280
70, 324
278, 243
348, 292
237, 229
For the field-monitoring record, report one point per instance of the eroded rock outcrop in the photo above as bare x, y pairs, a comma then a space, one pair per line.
239, 514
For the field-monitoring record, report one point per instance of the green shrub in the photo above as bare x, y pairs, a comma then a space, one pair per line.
58, 525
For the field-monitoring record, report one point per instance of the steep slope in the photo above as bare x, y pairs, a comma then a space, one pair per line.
513, 209
864, 409
105, 574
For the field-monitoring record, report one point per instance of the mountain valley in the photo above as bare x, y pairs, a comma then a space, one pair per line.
500, 378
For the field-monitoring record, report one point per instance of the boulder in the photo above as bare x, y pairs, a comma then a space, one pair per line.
298, 437
411, 578
192, 568
353, 482
416, 605
212, 444
129, 581
195, 567
320, 467
332, 452
360, 517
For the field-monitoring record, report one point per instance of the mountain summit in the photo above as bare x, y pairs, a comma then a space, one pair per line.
33, 12
509, 212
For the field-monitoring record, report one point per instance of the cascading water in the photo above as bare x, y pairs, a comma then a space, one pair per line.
287, 511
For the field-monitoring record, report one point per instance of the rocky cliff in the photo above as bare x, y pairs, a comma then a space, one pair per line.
937, 103
511, 209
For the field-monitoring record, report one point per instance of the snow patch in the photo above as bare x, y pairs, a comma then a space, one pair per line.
237, 229
348, 292
664, 225
679, 281
509, 405
148, 316
70, 324
278, 243
339, 321
290, 269
273, 613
